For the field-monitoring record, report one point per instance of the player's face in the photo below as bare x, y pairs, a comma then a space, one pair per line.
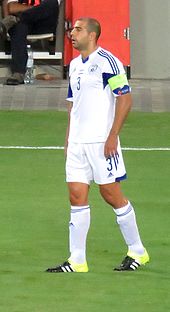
80, 36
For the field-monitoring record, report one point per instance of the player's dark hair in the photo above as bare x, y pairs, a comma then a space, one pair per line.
93, 25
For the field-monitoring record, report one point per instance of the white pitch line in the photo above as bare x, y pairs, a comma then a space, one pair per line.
34, 147
62, 147
146, 148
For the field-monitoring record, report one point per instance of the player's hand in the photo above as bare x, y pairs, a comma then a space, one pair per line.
110, 148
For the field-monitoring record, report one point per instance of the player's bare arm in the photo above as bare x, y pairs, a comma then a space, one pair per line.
123, 106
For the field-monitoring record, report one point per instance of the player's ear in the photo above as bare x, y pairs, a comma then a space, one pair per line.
93, 36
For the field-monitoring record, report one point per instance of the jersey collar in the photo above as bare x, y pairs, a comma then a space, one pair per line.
90, 56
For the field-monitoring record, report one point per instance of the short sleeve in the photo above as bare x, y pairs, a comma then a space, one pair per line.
114, 74
69, 94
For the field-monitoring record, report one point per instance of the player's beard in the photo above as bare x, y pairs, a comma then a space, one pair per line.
79, 46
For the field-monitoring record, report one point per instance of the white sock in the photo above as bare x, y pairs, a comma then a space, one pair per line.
78, 230
127, 222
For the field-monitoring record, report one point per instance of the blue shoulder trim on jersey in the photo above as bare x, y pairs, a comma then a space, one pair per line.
111, 61
70, 93
121, 91
106, 77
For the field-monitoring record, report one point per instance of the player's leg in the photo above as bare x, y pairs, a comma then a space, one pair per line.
80, 211
79, 222
126, 220
107, 174
78, 176
78, 229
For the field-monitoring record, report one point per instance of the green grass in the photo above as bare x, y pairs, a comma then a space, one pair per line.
34, 215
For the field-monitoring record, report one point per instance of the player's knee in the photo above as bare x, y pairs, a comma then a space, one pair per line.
104, 191
78, 194
112, 196
108, 197
77, 199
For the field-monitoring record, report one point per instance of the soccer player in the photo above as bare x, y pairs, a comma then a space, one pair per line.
100, 101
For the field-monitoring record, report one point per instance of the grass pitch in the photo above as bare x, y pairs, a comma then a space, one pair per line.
35, 214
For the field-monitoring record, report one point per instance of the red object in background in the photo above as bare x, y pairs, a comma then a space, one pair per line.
34, 2
68, 49
113, 16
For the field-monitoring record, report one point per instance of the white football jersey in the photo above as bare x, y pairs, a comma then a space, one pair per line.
95, 83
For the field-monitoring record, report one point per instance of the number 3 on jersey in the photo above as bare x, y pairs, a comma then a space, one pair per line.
78, 83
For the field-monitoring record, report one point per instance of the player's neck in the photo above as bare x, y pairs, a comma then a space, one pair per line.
87, 52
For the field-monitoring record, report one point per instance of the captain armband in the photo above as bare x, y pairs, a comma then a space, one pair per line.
119, 85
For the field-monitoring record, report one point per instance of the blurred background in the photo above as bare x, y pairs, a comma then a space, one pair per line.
135, 31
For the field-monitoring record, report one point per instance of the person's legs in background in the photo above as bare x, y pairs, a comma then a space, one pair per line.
37, 20
18, 36
43, 16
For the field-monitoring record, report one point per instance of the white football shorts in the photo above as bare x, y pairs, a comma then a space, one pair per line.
86, 163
